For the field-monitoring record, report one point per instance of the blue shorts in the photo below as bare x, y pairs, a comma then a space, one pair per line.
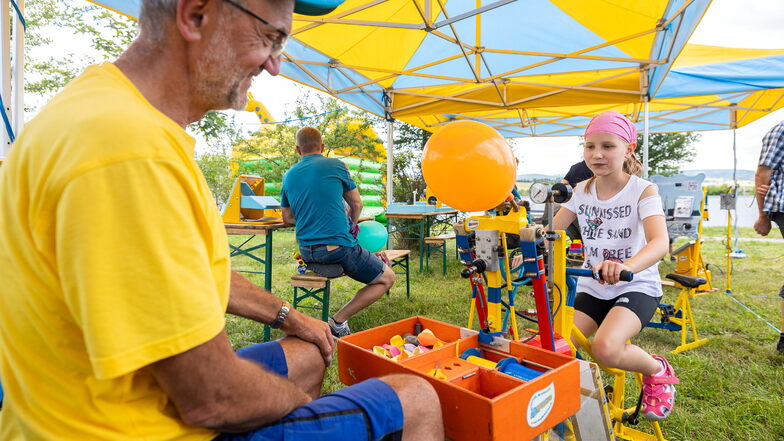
366, 411
357, 262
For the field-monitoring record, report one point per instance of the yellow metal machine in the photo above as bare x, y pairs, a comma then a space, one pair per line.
489, 260
689, 261
248, 205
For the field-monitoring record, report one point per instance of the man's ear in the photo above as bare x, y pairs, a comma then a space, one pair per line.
192, 16
299, 152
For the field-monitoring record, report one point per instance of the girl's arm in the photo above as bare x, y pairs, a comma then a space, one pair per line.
658, 244
563, 219
655, 249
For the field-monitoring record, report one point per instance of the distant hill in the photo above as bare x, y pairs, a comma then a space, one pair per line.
529, 177
742, 175
723, 174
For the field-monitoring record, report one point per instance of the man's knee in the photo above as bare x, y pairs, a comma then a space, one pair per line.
417, 397
304, 359
387, 278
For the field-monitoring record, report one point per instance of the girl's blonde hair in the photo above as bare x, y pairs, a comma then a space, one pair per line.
631, 165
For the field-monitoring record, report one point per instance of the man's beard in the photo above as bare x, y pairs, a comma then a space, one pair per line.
218, 81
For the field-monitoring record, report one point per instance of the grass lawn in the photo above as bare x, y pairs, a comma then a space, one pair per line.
731, 388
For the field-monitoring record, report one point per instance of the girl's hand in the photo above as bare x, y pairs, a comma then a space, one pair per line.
611, 271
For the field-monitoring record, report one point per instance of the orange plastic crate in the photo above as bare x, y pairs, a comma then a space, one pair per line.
477, 403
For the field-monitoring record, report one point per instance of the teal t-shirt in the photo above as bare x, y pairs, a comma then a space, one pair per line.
314, 189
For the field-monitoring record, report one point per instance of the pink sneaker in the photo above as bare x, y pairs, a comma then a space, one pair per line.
658, 392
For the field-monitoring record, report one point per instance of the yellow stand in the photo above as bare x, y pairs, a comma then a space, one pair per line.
243, 203
686, 320
690, 262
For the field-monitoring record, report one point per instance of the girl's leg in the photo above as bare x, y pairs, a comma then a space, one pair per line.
586, 324
589, 312
610, 348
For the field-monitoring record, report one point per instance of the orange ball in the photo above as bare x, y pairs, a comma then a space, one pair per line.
469, 166
427, 338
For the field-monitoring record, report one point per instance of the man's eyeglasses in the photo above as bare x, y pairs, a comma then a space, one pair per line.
279, 43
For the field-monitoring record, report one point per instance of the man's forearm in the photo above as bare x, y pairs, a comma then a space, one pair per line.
212, 387
355, 212
255, 398
250, 301
761, 177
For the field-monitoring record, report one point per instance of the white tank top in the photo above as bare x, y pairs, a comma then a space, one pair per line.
613, 230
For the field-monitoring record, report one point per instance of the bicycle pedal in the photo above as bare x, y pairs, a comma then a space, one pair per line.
666, 311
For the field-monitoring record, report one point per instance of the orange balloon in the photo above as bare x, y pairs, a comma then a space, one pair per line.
469, 166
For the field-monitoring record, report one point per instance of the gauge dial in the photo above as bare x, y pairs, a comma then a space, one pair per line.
539, 192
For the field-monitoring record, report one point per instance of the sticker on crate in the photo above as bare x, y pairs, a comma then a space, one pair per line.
541, 404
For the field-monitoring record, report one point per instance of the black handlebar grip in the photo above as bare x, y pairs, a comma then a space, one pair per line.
625, 276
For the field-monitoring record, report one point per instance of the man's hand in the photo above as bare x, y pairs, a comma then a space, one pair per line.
762, 225
353, 228
762, 190
311, 330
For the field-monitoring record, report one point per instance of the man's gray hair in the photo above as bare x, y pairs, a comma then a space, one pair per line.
154, 16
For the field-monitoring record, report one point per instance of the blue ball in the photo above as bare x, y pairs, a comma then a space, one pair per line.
372, 236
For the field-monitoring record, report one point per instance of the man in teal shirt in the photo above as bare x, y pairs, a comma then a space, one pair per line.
312, 198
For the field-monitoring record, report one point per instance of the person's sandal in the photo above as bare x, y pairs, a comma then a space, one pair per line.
658, 392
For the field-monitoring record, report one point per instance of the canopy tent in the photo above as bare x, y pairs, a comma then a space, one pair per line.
708, 88
398, 58
533, 68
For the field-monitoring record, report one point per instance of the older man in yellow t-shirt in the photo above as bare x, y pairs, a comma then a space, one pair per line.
115, 267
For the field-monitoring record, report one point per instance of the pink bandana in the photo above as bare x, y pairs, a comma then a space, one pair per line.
614, 123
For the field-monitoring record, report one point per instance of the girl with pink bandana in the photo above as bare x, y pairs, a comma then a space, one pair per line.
623, 228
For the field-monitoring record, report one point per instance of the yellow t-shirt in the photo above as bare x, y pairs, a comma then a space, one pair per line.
113, 257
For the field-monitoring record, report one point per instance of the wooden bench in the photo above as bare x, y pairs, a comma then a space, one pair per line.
312, 285
437, 243
317, 287
399, 258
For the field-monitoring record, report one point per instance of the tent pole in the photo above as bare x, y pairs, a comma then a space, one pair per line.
390, 158
18, 74
5, 75
645, 144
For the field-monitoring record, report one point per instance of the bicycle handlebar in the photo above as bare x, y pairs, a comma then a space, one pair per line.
626, 276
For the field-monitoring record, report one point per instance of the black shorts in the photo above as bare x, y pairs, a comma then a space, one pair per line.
643, 305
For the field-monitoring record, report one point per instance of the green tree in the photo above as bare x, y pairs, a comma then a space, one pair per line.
215, 161
667, 152
407, 167
349, 131
109, 34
